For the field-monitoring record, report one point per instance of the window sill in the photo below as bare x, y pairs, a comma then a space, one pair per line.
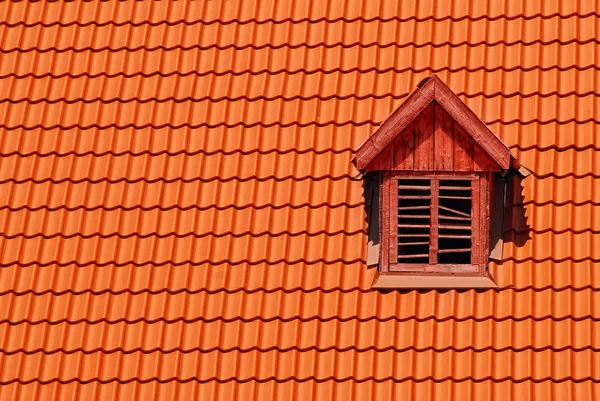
395, 281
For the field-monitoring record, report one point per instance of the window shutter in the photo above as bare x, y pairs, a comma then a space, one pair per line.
436, 221
456, 208
413, 221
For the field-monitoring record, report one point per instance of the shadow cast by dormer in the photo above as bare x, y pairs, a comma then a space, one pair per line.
516, 229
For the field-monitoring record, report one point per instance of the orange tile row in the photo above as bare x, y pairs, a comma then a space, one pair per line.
169, 168
200, 223
550, 217
293, 34
254, 193
282, 306
560, 190
557, 247
194, 278
293, 365
196, 194
189, 248
280, 112
122, 13
240, 139
310, 390
296, 335
185, 140
181, 141
578, 162
516, 83
291, 248
338, 58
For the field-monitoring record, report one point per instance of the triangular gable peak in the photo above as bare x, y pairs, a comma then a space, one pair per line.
433, 130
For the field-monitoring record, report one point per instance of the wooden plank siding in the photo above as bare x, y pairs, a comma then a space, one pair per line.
433, 142
434, 222
385, 222
443, 139
421, 107
404, 147
475, 222
424, 148
393, 216
463, 150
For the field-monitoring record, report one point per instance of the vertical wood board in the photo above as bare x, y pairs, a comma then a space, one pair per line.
423, 155
434, 223
399, 119
443, 139
472, 124
482, 161
484, 223
385, 221
463, 150
384, 161
475, 223
393, 253
404, 147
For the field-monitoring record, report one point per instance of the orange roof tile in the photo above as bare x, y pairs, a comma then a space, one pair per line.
180, 218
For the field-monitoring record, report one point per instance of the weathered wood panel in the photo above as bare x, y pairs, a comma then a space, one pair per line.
393, 194
385, 222
424, 124
475, 222
385, 161
482, 161
471, 123
399, 119
443, 140
434, 142
484, 221
433, 230
463, 150
404, 147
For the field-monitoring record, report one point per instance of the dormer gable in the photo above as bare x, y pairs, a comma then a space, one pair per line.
433, 130
436, 163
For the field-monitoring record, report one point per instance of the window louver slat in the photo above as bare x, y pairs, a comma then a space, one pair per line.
437, 209
414, 199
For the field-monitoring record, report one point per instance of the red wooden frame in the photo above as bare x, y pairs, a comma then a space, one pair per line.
434, 135
479, 224
433, 90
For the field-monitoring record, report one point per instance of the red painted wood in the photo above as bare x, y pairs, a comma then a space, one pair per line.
384, 161
385, 221
393, 193
424, 124
484, 222
471, 123
482, 161
414, 108
404, 147
475, 223
434, 222
443, 139
395, 123
437, 268
463, 150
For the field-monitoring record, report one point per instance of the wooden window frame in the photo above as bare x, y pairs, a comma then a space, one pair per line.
480, 192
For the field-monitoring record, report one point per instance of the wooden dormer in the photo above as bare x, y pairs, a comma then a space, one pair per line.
436, 162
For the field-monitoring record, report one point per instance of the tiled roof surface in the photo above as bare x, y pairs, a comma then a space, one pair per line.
180, 218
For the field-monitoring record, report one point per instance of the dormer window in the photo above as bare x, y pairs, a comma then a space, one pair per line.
436, 228
436, 163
